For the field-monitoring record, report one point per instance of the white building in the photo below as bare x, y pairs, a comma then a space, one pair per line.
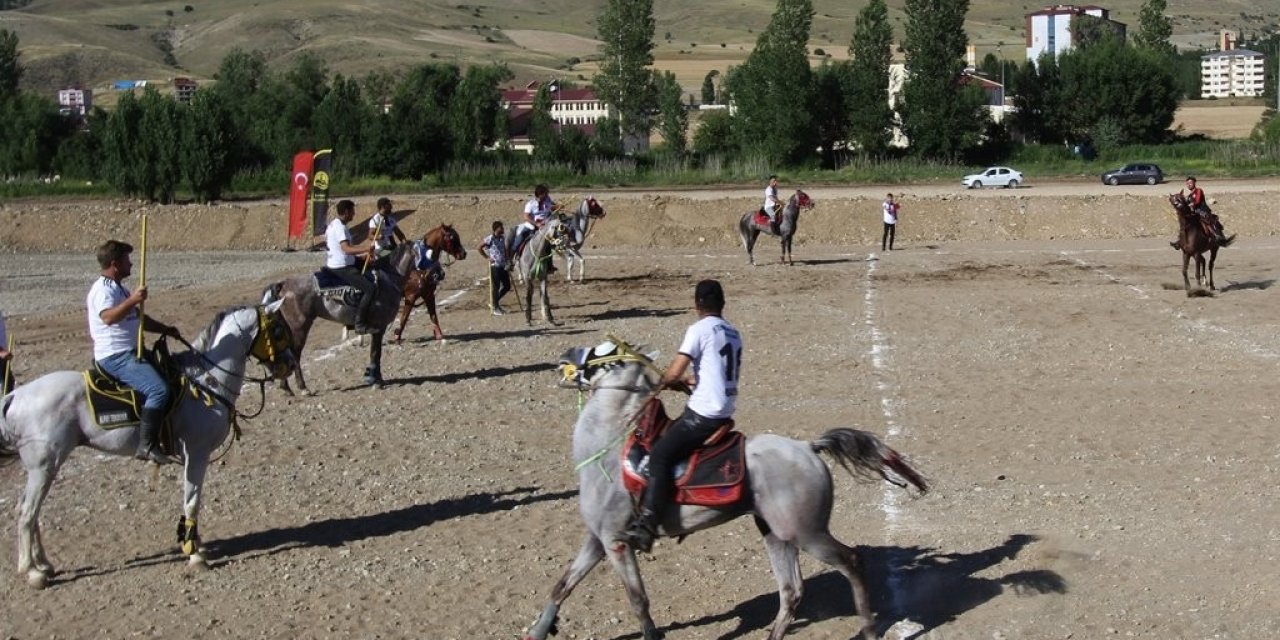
1049, 29
1233, 73
570, 108
75, 101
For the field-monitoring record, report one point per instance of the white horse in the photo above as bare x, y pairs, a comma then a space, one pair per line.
789, 490
533, 265
44, 420
576, 227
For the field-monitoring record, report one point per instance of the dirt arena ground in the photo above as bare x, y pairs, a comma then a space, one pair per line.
1102, 447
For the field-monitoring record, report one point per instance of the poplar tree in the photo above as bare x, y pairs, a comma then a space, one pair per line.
10, 68
942, 116
626, 28
673, 118
772, 90
870, 53
1154, 28
208, 146
709, 87
542, 127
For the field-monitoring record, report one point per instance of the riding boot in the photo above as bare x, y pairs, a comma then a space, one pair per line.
148, 430
640, 533
1176, 244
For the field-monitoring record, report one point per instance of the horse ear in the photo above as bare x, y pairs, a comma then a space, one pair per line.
652, 354
274, 306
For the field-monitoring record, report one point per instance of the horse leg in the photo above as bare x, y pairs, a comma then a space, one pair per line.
412, 291
1186, 282
430, 297
373, 373
623, 559
591, 553
300, 336
784, 557
528, 302
31, 556
1213, 257
192, 486
544, 286
749, 240
832, 552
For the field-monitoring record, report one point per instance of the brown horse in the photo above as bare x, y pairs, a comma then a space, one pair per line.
1195, 237
420, 284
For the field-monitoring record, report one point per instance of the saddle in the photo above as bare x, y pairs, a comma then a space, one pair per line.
330, 286
115, 405
762, 219
713, 475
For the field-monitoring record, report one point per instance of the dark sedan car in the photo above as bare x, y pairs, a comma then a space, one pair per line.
1137, 173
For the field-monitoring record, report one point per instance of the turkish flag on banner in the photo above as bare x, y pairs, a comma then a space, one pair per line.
298, 192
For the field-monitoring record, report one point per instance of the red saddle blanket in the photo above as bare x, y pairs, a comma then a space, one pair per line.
714, 475
763, 218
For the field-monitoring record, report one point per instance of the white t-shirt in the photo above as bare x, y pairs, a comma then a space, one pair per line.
386, 238
110, 339
716, 350
890, 212
334, 235
770, 199
539, 210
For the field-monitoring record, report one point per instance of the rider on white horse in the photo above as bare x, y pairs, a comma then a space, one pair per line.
772, 205
714, 347
536, 213
113, 325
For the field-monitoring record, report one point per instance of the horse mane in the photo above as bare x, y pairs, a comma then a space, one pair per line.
205, 338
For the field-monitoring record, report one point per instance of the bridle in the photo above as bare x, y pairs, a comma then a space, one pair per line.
272, 340
576, 372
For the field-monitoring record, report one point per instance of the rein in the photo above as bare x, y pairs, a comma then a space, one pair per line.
624, 354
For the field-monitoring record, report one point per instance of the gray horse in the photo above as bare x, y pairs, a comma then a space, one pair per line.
43, 421
577, 226
750, 228
790, 490
533, 266
304, 302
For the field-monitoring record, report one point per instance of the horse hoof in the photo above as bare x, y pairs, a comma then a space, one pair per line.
37, 579
197, 562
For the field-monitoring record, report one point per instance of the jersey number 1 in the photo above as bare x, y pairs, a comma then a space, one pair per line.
732, 361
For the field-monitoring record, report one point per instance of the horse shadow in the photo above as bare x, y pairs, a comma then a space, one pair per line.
450, 378
643, 277
935, 588
1261, 285
634, 312
498, 335
337, 532
820, 261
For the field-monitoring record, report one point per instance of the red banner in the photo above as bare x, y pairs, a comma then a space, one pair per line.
299, 190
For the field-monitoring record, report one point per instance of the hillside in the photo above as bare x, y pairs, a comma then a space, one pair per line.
93, 42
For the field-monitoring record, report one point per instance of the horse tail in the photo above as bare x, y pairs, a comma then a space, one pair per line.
1227, 242
864, 456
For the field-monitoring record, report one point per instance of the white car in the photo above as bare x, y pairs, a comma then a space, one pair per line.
994, 177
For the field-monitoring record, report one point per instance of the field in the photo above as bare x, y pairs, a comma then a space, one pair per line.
1101, 446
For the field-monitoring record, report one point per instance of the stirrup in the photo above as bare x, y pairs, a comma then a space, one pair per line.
154, 455
638, 537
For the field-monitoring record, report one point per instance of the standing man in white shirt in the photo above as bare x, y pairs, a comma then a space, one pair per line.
341, 261
772, 205
113, 325
384, 229
714, 348
890, 210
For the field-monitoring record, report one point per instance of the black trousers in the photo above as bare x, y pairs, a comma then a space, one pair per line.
352, 276
684, 435
889, 231
499, 284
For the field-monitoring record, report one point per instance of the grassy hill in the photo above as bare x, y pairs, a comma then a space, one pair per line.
93, 42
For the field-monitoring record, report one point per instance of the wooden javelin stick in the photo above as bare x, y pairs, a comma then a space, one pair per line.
8, 366
377, 233
142, 282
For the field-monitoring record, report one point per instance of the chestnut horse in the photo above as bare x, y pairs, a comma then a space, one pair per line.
1195, 239
420, 284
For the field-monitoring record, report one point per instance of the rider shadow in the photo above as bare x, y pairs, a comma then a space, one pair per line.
337, 532
1261, 285
934, 588
634, 312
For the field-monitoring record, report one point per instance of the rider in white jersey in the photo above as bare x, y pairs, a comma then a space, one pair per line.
714, 348
772, 206
536, 213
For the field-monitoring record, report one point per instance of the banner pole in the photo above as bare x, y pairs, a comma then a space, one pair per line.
142, 282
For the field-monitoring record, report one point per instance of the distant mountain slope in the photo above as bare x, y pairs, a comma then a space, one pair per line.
93, 42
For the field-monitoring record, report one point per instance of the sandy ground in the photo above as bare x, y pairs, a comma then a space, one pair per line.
1101, 445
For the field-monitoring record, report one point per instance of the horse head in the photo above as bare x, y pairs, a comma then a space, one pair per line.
260, 331
608, 365
594, 210
1182, 205
274, 346
445, 238
802, 200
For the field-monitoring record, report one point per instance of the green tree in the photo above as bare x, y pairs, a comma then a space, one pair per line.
715, 136
1037, 113
575, 148
80, 154
120, 145
831, 111
287, 103
607, 142
160, 145
209, 142
543, 134
673, 118
418, 136
1154, 28
626, 28
867, 91
10, 67
942, 116
338, 123
772, 88
241, 77
1134, 87
476, 110
31, 130
709, 87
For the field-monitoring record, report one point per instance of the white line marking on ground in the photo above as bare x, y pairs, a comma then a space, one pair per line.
881, 360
